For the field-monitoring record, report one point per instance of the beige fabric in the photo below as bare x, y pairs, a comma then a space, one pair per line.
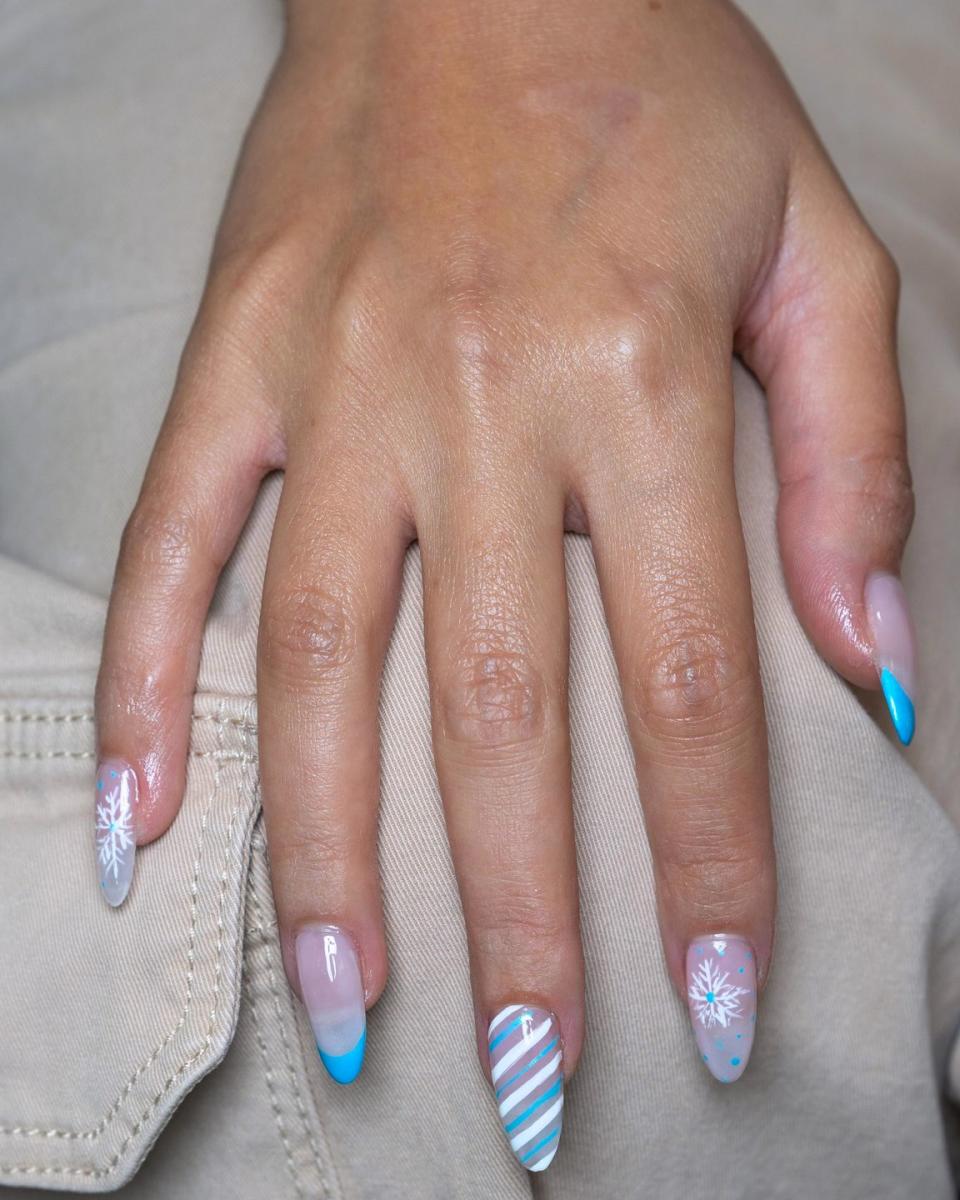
118, 126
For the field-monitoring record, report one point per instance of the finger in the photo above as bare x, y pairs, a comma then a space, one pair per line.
822, 339
329, 603
669, 549
496, 633
215, 446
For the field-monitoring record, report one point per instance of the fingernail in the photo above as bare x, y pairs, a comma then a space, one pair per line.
526, 1070
333, 994
894, 648
116, 842
722, 995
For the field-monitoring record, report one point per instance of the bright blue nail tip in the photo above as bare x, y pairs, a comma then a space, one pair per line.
344, 1068
899, 705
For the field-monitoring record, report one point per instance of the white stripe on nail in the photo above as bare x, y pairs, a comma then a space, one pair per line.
522, 1092
501, 1017
520, 1050
531, 1131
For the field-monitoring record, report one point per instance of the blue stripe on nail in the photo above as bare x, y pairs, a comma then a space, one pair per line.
533, 1107
532, 1063
900, 706
505, 1034
540, 1145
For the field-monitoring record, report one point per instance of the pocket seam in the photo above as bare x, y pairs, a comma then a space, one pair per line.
221, 756
310, 1127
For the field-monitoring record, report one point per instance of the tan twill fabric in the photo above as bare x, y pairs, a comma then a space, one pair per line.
119, 124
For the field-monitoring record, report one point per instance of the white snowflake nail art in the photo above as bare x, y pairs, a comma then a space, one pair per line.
715, 1000
721, 992
115, 837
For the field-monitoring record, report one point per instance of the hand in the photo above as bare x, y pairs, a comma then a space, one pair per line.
479, 281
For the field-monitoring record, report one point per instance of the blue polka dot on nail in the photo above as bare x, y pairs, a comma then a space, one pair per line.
99, 785
734, 1062
742, 969
706, 1058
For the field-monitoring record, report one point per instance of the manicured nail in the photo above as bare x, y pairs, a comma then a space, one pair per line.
722, 995
116, 842
333, 994
526, 1070
894, 649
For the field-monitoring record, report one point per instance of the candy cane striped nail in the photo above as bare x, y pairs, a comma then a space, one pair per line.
526, 1070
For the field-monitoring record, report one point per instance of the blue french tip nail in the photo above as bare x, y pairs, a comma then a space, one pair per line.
899, 705
344, 1068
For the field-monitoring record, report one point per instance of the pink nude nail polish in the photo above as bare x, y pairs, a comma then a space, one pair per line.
332, 989
722, 997
114, 832
894, 648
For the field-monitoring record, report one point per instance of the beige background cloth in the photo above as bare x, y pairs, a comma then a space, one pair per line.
119, 124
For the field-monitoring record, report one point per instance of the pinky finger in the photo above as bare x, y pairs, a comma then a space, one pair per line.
199, 487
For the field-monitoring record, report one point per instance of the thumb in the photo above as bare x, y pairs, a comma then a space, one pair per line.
821, 337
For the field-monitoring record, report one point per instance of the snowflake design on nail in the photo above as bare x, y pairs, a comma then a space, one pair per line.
114, 829
715, 1000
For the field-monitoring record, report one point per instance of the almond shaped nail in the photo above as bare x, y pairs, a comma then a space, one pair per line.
115, 836
895, 653
332, 988
526, 1070
722, 997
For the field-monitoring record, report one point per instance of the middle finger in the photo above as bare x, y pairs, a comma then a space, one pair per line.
496, 632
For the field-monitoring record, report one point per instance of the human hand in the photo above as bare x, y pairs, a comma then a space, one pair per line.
479, 280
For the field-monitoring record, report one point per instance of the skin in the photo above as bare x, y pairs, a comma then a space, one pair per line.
479, 281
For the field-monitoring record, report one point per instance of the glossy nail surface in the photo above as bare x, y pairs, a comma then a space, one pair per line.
894, 649
115, 836
722, 996
332, 989
526, 1070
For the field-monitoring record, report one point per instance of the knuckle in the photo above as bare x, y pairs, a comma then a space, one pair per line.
245, 316
483, 330
712, 873
158, 539
641, 348
873, 272
308, 632
887, 272
302, 854
493, 697
694, 687
256, 283
511, 919
627, 346
884, 488
482, 353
